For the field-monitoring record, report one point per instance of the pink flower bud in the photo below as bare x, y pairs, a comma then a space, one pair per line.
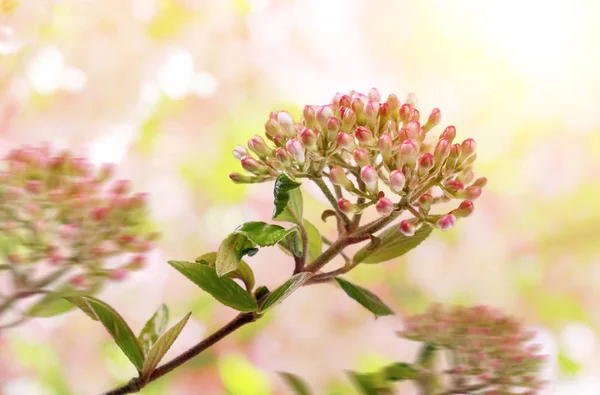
442, 149
384, 206
333, 127
120, 187
453, 156
324, 113
385, 145
374, 94
78, 281
54, 256
407, 228
409, 151
137, 262
397, 181
348, 120
405, 113
67, 231
296, 150
272, 129
81, 166
284, 157
449, 134
446, 222
337, 176
259, 146
470, 193
426, 163
454, 185
34, 187
425, 202
434, 119
344, 101
384, 113
139, 200
469, 146
286, 121
14, 193
107, 170
361, 157
369, 176
242, 178
346, 207
309, 114
466, 176
309, 139
412, 129
100, 213
358, 105
345, 141
371, 111
32, 209
253, 166
394, 104
480, 182
118, 274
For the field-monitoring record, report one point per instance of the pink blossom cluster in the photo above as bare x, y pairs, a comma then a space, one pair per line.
58, 214
362, 144
488, 351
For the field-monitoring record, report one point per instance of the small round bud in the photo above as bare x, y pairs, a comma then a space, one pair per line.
446, 222
257, 144
324, 113
348, 119
426, 163
405, 113
385, 145
120, 187
137, 262
397, 181
384, 206
34, 187
345, 141
369, 176
394, 103
371, 111
286, 121
407, 228
468, 147
309, 139
78, 281
118, 274
434, 119
337, 176
374, 94
471, 193
364, 136
346, 207
454, 185
333, 127
442, 149
253, 166
284, 157
480, 182
465, 209
409, 151
272, 129
412, 129
361, 157
243, 178
296, 150
425, 202
100, 213
309, 116
449, 134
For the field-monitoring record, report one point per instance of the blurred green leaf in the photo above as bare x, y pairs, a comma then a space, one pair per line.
224, 289
116, 327
567, 365
296, 383
426, 357
393, 244
315, 244
366, 298
162, 345
400, 371
231, 251
288, 199
240, 377
54, 303
370, 384
170, 20
153, 328
243, 272
264, 234
283, 291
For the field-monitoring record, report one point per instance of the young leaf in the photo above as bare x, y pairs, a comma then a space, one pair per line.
288, 199
366, 298
54, 303
393, 244
162, 345
243, 272
224, 289
264, 234
283, 291
231, 251
116, 327
315, 244
297, 384
400, 371
154, 327
369, 384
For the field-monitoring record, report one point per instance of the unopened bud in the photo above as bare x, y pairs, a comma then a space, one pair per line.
471, 193
454, 185
469, 146
344, 101
337, 176
364, 136
369, 176
257, 144
243, 178
120, 187
434, 119
309, 139
348, 120
408, 152
137, 262
361, 157
385, 145
345, 141
287, 123
374, 94
33, 186
397, 181
407, 228
442, 149
324, 113
284, 157
404, 113
371, 111
358, 105
385, 113
333, 127
118, 274
99, 213
106, 171
272, 129
253, 166
465, 209
346, 207
449, 134
480, 182
446, 222
309, 116
384, 206
297, 150
425, 202
412, 129
78, 281
394, 103
426, 163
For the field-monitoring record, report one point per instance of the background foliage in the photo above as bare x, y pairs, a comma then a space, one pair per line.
165, 88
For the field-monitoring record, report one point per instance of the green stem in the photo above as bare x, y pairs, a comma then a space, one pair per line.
321, 184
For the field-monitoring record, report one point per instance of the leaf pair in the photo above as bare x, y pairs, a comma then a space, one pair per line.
145, 351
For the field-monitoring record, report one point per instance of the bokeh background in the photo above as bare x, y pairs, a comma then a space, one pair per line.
166, 88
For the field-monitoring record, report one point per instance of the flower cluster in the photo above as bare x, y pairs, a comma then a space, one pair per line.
362, 144
489, 351
59, 216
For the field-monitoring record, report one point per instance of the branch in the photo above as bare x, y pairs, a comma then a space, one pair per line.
135, 385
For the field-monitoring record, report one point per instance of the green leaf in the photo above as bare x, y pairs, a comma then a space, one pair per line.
366, 298
283, 291
154, 327
54, 303
315, 244
400, 371
243, 272
426, 357
370, 384
116, 327
297, 384
162, 345
231, 251
264, 234
393, 244
288, 200
224, 289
